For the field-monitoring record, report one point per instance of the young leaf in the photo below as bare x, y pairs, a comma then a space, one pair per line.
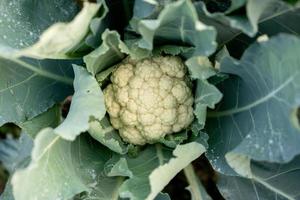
255, 118
206, 94
110, 52
177, 23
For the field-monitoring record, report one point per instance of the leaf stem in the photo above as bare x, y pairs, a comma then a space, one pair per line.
160, 155
193, 181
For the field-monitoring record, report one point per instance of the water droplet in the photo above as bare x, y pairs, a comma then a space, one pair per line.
271, 141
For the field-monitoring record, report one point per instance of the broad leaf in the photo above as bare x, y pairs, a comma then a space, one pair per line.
70, 36
257, 115
265, 180
22, 22
72, 167
280, 18
31, 29
87, 103
29, 87
247, 23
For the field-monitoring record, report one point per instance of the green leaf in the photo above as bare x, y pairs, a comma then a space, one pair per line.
103, 77
29, 87
177, 23
103, 132
147, 179
22, 22
109, 53
70, 35
72, 167
200, 68
279, 18
50, 118
247, 22
87, 103
256, 117
25, 35
206, 95
265, 180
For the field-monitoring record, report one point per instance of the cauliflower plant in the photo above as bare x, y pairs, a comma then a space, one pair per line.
149, 99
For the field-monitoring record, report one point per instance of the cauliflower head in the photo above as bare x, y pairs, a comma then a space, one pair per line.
148, 99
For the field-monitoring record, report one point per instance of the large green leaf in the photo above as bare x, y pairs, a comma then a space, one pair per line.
280, 18
61, 169
29, 87
70, 35
40, 30
87, 103
257, 116
147, 179
264, 180
22, 22
176, 24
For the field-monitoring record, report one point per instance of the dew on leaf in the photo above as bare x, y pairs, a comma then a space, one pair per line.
271, 141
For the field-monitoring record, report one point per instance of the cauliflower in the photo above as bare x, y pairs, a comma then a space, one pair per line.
149, 99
